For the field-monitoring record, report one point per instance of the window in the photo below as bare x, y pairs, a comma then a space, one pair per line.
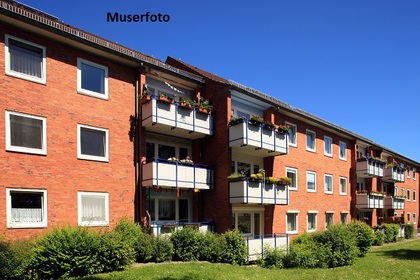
26, 133
408, 218
170, 209
292, 222
344, 217
408, 172
292, 173
328, 183
92, 79
93, 208
343, 186
414, 173
310, 181
328, 146
312, 221
292, 134
414, 195
25, 60
310, 141
343, 150
414, 218
402, 192
248, 222
408, 195
92, 143
329, 219
166, 149
26, 208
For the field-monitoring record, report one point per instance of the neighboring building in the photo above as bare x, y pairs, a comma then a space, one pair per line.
93, 131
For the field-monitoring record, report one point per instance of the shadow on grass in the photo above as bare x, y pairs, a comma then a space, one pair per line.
403, 254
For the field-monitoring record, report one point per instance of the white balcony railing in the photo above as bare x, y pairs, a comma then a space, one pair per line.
370, 167
171, 119
256, 244
161, 228
163, 173
395, 174
392, 202
245, 191
257, 140
370, 201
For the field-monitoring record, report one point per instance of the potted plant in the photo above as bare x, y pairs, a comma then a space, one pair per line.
256, 177
363, 192
205, 107
186, 103
173, 160
186, 161
283, 129
284, 180
145, 95
236, 177
255, 120
235, 120
268, 125
270, 180
166, 97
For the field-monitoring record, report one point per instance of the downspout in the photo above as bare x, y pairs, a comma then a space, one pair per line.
137, 199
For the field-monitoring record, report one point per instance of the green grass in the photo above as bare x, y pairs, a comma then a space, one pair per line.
394, 261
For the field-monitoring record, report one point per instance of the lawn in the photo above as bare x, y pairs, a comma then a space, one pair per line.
392, 261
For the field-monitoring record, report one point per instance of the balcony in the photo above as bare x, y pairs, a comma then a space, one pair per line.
256, 245
257, 140
369, 167
171, 119
163, 173
161, 228
248, 192
394, 174
395, 202
370, 201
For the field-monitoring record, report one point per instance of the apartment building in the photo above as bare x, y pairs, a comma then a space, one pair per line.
93, 131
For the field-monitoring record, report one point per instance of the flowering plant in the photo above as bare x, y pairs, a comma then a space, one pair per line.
283, 128
284, 180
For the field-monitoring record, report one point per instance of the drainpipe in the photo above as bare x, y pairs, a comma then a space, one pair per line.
137, 192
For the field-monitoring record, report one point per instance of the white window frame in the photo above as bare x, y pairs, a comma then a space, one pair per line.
80, 212
339, 183
307, 221
10, 147
347, 216
327, 138
296, 216
44, 208
326, 221
10, 72
342, 145
414, 195
81, 90
402, 192
91, 157
314, 138
408, 195
292, 127
295, 182
414, 218
408, 172
325, 184
414, 173
314, 173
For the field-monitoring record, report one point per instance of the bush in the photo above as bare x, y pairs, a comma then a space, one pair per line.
162, 249
188, 244
409, 231
14, 259
129, 230
341, 243
391, 232
212, 248
144, 247
364, 236
273, 258
233, 248
379, 238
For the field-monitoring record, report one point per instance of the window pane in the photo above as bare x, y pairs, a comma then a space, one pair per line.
328, 184
166, 210
244, 222
292, 174
25, 59
244, 168
183, 210
93, 208
343, 185
292, 135
166, 152
150, 150
183, 153
256, 223
291, 222
328, 145
310, 181
311, 221
343, 148
343, 218
26, 207
310, 140
92, 142
26, 132
93, 78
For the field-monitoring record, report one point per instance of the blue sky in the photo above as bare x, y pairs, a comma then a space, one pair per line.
355, 63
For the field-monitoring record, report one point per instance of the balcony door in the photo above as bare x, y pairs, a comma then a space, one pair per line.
248, 221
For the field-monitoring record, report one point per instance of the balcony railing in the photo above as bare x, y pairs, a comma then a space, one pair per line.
370, 201
395, 174
257, 140
246, 191
160, 228
164, 173
392, 202
256, 244
370, 167
171, 119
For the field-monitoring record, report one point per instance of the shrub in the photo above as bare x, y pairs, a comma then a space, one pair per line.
188, 243
114, 252
144, 247
364, 236
409, 231
212, 249
379, 238
273, 258
129, 230
233, 246
14, 259
163, 249
341, 244
391, 232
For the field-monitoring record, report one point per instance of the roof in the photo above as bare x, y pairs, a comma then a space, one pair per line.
36, 17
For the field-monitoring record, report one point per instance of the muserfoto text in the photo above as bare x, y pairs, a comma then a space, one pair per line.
146, 17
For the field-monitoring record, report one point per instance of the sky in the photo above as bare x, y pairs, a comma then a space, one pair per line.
355, 63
